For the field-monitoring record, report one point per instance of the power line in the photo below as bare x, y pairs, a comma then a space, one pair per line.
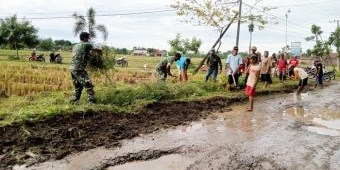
305, 4
104, 15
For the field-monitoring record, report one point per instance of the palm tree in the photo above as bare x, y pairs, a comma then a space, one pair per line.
321, 48
251, 30
316, 30
89, 25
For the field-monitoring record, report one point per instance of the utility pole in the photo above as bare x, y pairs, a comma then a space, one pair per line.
336, 27
336, 21
286, 46
239, 23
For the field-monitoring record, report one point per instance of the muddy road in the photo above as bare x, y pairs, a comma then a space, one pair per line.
283, 132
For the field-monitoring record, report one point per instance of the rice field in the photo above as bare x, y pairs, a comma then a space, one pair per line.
23, 77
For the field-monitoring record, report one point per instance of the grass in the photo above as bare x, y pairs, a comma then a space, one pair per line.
41, 90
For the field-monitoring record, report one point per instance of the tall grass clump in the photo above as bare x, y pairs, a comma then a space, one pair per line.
154, 92
100, 60
125, 96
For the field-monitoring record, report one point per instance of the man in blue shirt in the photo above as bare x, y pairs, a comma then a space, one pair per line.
183, 65
234, 60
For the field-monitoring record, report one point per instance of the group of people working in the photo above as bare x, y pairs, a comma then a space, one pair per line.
255, 68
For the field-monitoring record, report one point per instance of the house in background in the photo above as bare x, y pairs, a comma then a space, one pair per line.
160, 53
139, 51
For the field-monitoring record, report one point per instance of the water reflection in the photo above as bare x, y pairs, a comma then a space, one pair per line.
169, 162
297, 106
323, 131
325, 127
247, 122
322, 120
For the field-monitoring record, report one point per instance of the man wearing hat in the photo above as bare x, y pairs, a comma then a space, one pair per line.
214, 63
253, 49
234, 60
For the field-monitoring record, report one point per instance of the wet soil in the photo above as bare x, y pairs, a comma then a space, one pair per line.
57, 137
285, 131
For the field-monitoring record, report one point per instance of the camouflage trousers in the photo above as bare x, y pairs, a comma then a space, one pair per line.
82, 80
162, 74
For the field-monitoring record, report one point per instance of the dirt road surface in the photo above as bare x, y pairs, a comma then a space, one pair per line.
283, 132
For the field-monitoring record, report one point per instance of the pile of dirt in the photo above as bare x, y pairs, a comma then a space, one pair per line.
54, 138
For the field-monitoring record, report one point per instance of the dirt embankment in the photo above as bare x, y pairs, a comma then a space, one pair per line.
54, 138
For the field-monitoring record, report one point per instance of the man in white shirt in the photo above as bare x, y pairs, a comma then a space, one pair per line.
234, 60
300, 74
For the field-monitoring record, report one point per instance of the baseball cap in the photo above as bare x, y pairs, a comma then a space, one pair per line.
253, 48
235, 48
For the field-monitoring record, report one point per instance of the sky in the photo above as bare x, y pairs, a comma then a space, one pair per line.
152, 23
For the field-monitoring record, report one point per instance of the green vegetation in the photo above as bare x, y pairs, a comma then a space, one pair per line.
40, 90
116, 98
17, 34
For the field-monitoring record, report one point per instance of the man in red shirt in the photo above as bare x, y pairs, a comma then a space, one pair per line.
294, 61
282, 67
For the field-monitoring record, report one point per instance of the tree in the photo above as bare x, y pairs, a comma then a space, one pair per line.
251, 30
193, 45
316, 31
17, 34
151, 51
215, 13
184, 45
176, 44
320, 48
334, 39
309, 52
46, 44
89, 25
63, 44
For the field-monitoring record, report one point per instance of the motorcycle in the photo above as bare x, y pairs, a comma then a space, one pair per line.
40, 58
122, 62
58, 58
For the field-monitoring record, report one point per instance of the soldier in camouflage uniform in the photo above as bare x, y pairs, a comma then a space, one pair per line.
163, 67
80, 78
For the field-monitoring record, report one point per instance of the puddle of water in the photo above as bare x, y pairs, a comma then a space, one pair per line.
264, 126
323, 131
169, 162
296, 111
325, 127
331, 124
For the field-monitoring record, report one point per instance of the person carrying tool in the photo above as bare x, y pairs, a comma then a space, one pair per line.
182, 66
234, 60
163, 67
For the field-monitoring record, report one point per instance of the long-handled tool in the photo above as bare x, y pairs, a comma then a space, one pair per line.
233, 76
218, 40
